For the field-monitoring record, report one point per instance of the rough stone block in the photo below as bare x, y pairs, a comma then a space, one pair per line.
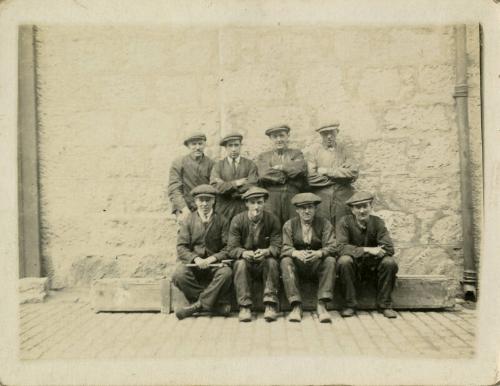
32, 289
129, 295
380, 85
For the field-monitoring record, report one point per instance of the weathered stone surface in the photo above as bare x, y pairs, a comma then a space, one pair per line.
108, 138
32, 289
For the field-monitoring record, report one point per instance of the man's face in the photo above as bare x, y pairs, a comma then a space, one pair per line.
306, 212
361, 211
329, 137
196, 147
279, 140
255, 206
204, 203
233, 148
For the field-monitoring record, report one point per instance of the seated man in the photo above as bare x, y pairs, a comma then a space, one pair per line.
201, 242
366, 249
308, 250
255, 241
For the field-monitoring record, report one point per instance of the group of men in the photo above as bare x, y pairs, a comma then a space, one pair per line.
280, 217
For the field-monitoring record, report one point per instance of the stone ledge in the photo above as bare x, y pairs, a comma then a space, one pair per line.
32, 289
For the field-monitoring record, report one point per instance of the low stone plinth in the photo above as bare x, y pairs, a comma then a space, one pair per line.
32, 289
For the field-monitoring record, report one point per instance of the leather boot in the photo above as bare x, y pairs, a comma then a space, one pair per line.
270, 314
187, 311
223, 309
347, 312
245, 314
296, 313
389, 313
323, 314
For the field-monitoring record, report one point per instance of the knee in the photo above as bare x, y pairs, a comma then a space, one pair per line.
240, 266
180, 273
329, 261
224, 273
344, 261
286, 262
389, 263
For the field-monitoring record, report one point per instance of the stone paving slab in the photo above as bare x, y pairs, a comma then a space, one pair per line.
66, 327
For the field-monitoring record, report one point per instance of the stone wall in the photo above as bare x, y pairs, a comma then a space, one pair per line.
114, 101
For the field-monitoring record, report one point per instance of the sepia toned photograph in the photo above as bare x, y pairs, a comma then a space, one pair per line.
242, 191
249, 191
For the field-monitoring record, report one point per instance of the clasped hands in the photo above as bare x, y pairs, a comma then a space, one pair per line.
255, 256
204, 263
375, 251
307, 256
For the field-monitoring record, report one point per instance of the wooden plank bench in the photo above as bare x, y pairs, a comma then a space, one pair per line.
411, 292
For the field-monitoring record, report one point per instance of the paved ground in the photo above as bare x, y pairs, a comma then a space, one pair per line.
66, 327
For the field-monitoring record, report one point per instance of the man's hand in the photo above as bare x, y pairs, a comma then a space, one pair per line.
202, 263
261, 254
241, 182
277, 167
182, 215
323, 171
248, 256
300, 255
375, 251
313, 256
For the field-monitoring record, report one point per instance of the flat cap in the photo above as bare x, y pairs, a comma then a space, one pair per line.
305, 198
254, 192
204, 190
277, 129
230, 137
359, 198
195, 136
332, 126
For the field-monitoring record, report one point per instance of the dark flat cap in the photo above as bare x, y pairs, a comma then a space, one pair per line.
277, 129
359, 198
255, 191
305, 198
330, 127
194, 137
230, 137
204, 190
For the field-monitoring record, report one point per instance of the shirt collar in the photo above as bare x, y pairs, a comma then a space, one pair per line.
206, 218
237, 160
360, 225
259, 219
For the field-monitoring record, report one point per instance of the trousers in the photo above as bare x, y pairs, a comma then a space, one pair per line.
333, 198
245, 272
279, 203
350, 271
208, 286
322, 270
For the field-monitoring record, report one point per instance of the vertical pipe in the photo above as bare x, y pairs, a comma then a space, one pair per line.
461, 94
28, 192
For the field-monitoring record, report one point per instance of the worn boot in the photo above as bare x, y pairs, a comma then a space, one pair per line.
323, 314
270, 314
245, 314
223, 309
389, 313
296, 313
187, 311
347, 312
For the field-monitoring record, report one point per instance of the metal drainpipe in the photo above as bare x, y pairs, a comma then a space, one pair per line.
461, 92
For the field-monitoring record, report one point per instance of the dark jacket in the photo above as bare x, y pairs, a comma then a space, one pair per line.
351, 238
294, 173
196, 239
322, 237
185, 174
240, 237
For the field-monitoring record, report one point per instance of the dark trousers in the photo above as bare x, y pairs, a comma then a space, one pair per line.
333, 198
323, 270
209, 286
279, 203
245, 273
350, 271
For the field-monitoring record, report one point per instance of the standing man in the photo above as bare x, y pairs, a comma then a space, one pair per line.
366, 250
331, 173
201, 247
283, 172
255, 243
186, 173
232, 176
309, 251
